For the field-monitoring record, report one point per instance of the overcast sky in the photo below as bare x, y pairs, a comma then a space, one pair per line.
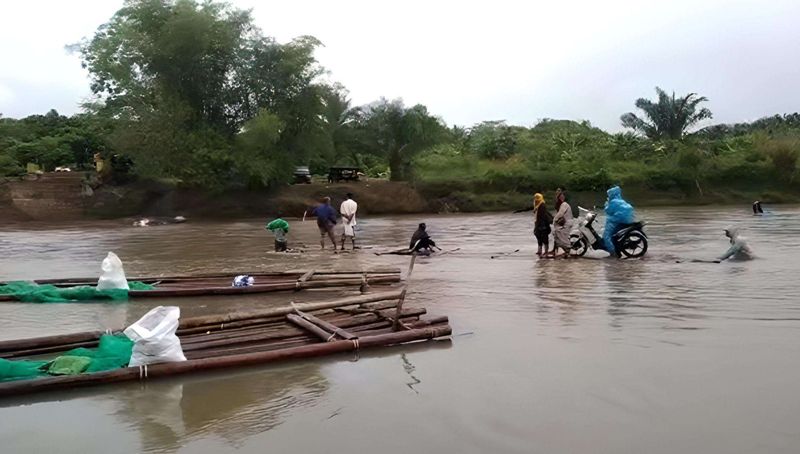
518, 61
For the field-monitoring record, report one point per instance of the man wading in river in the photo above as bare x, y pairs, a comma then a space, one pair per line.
326, 221
348, 211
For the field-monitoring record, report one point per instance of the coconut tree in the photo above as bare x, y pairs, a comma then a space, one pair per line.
669, 117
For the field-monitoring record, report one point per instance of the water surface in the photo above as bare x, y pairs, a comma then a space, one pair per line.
590, 355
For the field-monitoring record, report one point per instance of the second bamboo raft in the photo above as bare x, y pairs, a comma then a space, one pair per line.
248, 338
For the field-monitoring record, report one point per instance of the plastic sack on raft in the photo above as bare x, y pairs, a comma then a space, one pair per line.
618, 213
243, 280
113, 276
154, 339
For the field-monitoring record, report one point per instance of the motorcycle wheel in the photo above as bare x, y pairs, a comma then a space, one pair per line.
580, 246
634, 245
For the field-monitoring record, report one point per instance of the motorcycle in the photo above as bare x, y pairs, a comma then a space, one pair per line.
629, 241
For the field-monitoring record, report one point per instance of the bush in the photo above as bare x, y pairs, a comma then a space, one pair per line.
665, 179
783, 153
9, 167
593, 181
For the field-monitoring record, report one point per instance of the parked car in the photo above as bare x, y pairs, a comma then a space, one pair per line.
302, 175
63, 169
336, 174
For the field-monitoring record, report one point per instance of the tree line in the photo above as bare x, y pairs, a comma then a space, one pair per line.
194, 92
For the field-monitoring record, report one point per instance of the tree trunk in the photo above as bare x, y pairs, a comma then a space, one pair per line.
396, 164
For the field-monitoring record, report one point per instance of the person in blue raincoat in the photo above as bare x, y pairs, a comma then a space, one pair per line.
618, 214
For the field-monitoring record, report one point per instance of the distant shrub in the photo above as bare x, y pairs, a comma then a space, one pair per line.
665, 179
9, 166
783, 153
594, 181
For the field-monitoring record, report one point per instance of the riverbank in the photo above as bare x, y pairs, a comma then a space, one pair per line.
377, 197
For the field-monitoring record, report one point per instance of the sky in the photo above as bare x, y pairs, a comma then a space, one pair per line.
470, 61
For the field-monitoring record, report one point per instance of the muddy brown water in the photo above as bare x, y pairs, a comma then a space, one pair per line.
590, 355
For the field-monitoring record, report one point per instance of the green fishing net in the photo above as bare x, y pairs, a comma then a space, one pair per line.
30, 292
112, 352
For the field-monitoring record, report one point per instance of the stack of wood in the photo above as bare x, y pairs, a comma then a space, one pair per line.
248, 338
221, 283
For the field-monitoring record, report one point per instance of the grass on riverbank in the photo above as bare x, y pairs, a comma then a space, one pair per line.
694, 173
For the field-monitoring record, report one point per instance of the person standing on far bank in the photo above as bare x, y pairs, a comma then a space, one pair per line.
348, 211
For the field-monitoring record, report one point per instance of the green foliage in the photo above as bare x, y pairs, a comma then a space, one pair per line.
53, 140
9, 166
399, 133
258, 157
667, 118
492, 140
184, 77
783, 153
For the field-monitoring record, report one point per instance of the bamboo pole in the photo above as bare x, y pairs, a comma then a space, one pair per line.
303, 339
48, 341
93, 280
62, 339
165, 291
160, 370
402, 298
284, 310
310, 327
217, 340
327, 326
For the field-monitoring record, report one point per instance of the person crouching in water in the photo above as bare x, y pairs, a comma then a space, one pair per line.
421, 242
326, 221
541, 224
280, 229
562, 224
739, 249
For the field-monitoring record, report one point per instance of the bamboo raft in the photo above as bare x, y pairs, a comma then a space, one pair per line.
248, 338
220, 283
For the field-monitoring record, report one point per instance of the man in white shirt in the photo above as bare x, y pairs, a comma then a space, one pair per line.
348, 212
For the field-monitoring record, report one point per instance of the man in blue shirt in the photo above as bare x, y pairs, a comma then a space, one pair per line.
326, 221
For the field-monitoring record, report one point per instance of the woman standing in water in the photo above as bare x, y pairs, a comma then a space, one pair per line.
541, 225
562, 223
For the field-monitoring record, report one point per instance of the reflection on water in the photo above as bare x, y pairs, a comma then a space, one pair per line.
590, 355
169, 413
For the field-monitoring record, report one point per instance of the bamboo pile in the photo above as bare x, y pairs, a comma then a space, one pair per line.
220, 283
248, 338
266, 275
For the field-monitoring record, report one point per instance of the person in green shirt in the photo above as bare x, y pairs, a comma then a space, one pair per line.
280, 229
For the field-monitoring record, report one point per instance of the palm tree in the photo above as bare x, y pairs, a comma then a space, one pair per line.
669, 118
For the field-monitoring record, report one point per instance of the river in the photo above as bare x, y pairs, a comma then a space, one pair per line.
548, 356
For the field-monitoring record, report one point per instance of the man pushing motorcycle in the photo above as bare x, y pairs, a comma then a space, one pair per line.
623, 236
619, 213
